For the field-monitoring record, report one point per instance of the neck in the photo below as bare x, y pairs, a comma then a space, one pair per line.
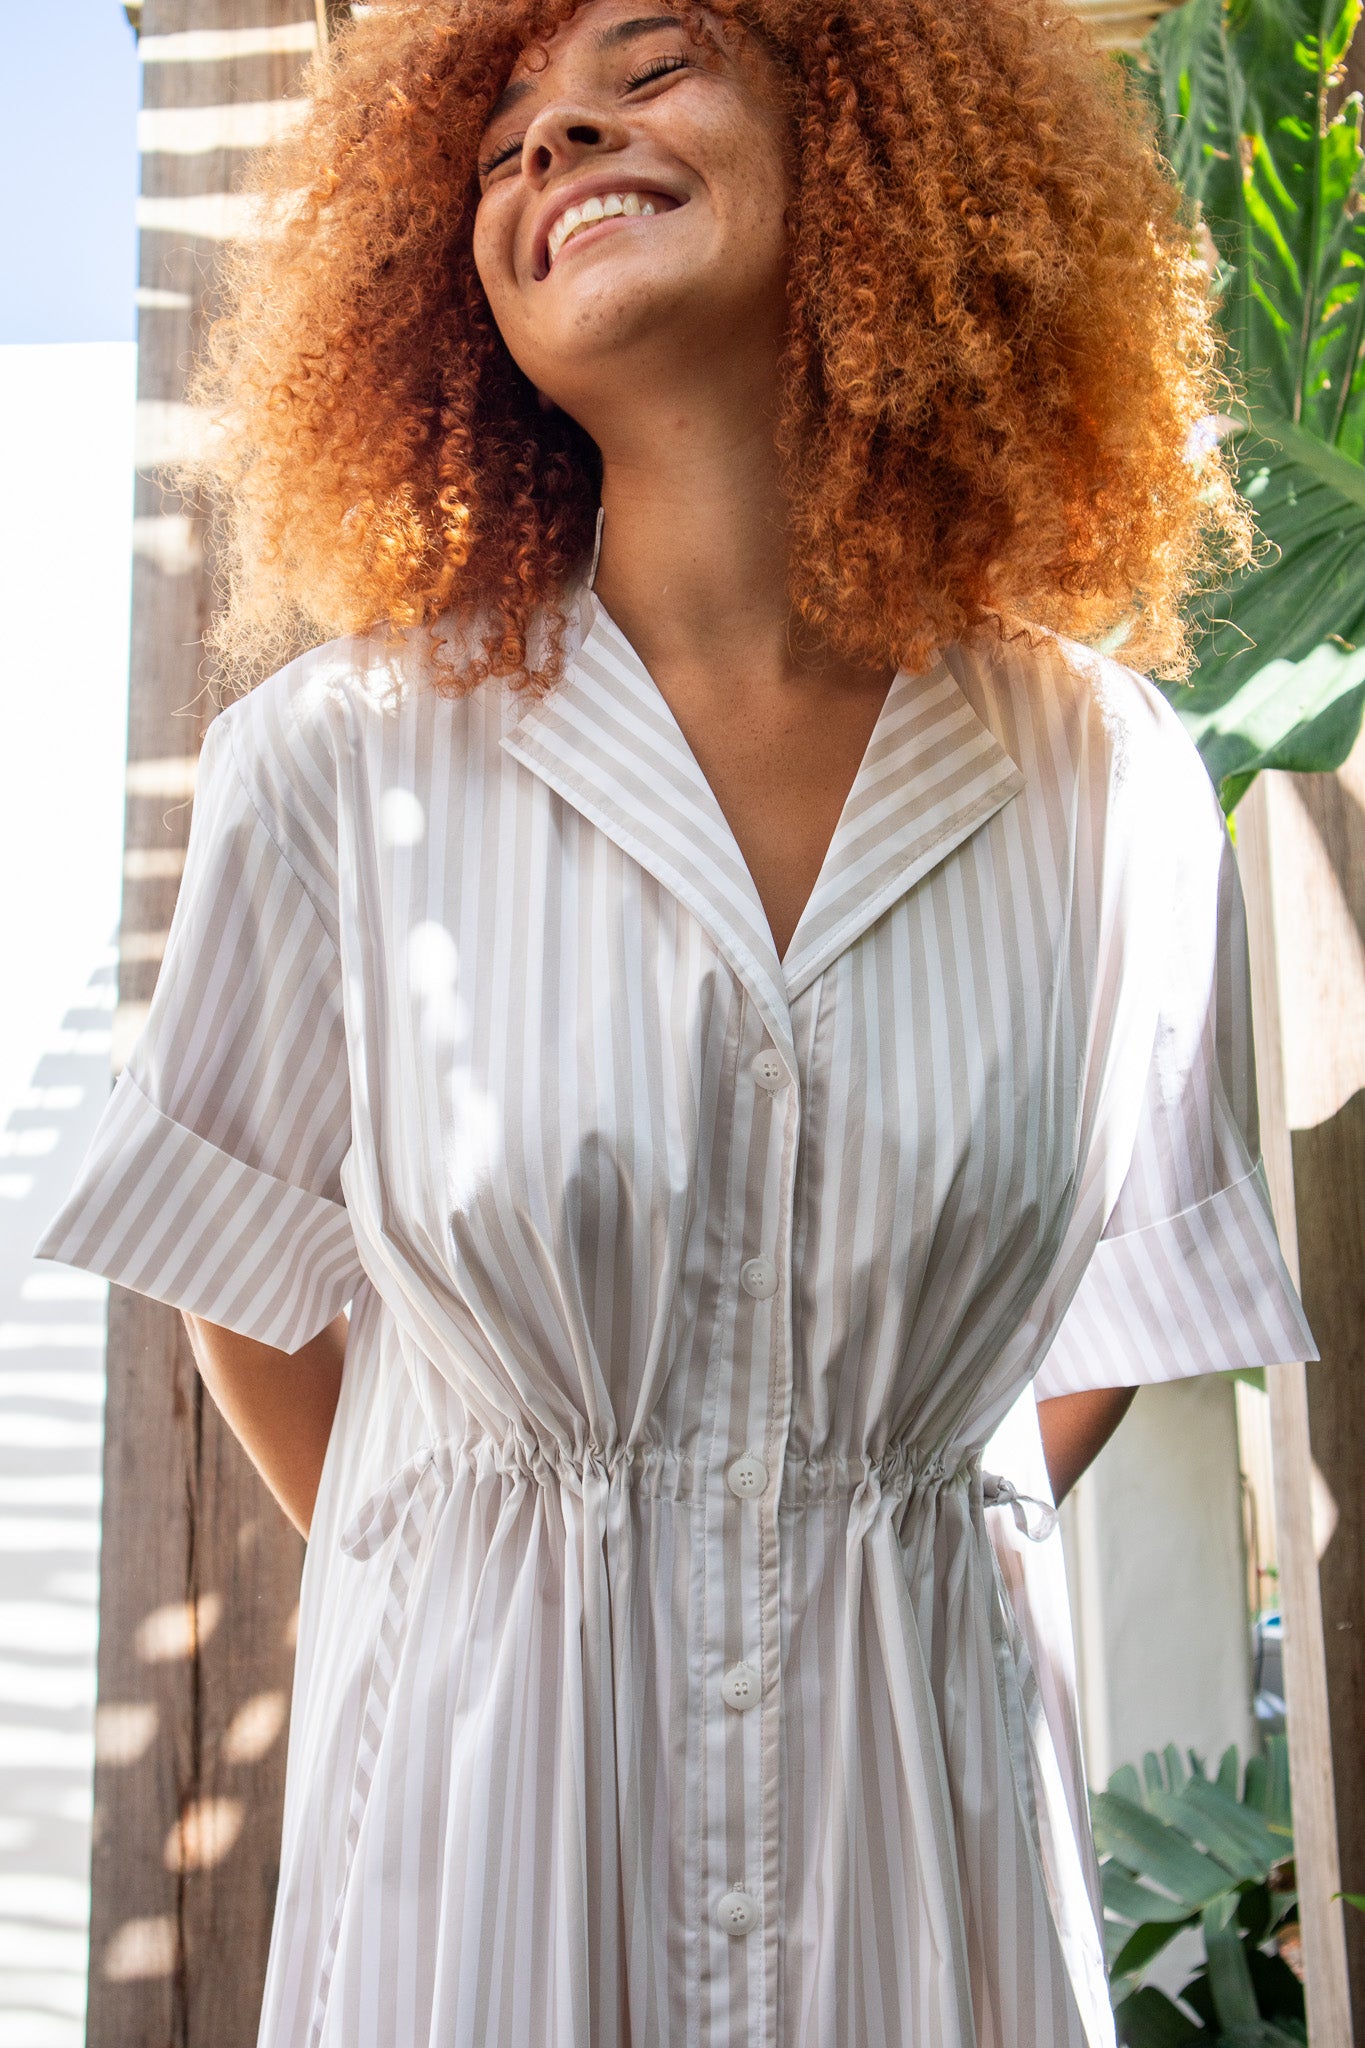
694, 558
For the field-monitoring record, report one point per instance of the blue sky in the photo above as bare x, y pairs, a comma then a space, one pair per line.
68, 167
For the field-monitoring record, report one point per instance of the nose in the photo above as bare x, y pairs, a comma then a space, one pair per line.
563, 133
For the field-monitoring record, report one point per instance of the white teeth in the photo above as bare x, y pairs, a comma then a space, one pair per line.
607, 207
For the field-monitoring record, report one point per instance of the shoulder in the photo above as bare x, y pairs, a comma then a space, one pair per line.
1068, 711
304, 717
1146, 736
311, 739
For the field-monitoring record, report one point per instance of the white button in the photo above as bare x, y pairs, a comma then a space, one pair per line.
737, 1912
748, 1476
759, 1278
768, 1070
739, 1687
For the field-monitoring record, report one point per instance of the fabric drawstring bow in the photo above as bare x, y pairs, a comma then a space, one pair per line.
1000, 1492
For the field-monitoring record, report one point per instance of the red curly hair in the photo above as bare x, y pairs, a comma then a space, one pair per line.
999, 346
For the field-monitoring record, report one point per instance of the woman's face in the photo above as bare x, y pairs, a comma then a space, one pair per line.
633, 185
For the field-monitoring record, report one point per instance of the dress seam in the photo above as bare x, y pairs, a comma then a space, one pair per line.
268, 826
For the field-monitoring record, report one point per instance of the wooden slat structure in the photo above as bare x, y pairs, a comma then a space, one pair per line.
200, 1569
1302, 858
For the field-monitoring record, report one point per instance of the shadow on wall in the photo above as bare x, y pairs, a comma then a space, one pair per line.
52, 1322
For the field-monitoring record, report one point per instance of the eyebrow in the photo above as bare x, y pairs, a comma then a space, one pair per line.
606, 39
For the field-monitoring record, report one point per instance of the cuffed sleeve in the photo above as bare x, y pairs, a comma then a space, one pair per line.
1202, 1291
213, 1181
1188, 1275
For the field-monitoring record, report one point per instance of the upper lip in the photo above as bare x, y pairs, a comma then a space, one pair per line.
593, 185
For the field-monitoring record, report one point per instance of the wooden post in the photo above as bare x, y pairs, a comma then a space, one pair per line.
200, 1569
1302, 856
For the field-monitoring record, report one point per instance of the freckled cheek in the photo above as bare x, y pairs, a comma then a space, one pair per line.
494, 257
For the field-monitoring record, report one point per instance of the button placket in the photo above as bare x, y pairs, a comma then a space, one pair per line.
744, 1684
747, 1476
758, 1277
740, 1687
774, 1073
769, 1070
737, 1910
742, 1846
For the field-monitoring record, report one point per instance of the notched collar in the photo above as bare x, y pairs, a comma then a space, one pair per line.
606, 740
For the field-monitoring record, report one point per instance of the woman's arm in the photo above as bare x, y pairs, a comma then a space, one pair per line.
1075, 1429
278, 1404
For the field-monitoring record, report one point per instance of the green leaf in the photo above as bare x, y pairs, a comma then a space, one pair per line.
1138, 1903
1304, 588
1279, 1994
1277, 1808
1230, 1986
1241, 92
1127, 1784
1150, 1849
1263, 2033
1284, 1907
1345, 477
1254, 1911
1148, 2019
1234, 1833
1303, 715
1142, 1945
1199, 1998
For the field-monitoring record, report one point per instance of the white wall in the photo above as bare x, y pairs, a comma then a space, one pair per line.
1156, 1566
66, 485
66, 415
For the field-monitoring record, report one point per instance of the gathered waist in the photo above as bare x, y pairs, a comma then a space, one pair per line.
662, 1472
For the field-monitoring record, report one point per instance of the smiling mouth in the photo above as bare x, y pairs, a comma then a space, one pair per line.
602, 209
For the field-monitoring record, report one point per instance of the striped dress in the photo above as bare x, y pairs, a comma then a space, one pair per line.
684, 1658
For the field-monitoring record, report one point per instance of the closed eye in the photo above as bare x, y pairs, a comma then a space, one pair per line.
657, 67
501, 156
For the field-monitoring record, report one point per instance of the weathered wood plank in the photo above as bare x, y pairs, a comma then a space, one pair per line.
200, 1569
1294, 912
1318, 836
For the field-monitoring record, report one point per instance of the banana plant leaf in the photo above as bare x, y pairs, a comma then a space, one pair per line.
1242, 91
1149, 2019
1303, 708
1181, 1849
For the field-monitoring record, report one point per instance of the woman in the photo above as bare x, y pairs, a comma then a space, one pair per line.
732, 990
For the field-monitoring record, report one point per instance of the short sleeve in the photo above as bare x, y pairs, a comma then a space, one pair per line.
1188, 1275
212, 1181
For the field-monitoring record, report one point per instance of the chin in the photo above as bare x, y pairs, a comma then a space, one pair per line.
603, 325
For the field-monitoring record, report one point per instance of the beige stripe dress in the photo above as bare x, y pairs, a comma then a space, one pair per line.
684, 1655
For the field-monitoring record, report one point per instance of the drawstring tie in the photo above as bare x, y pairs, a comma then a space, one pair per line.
997, 1491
